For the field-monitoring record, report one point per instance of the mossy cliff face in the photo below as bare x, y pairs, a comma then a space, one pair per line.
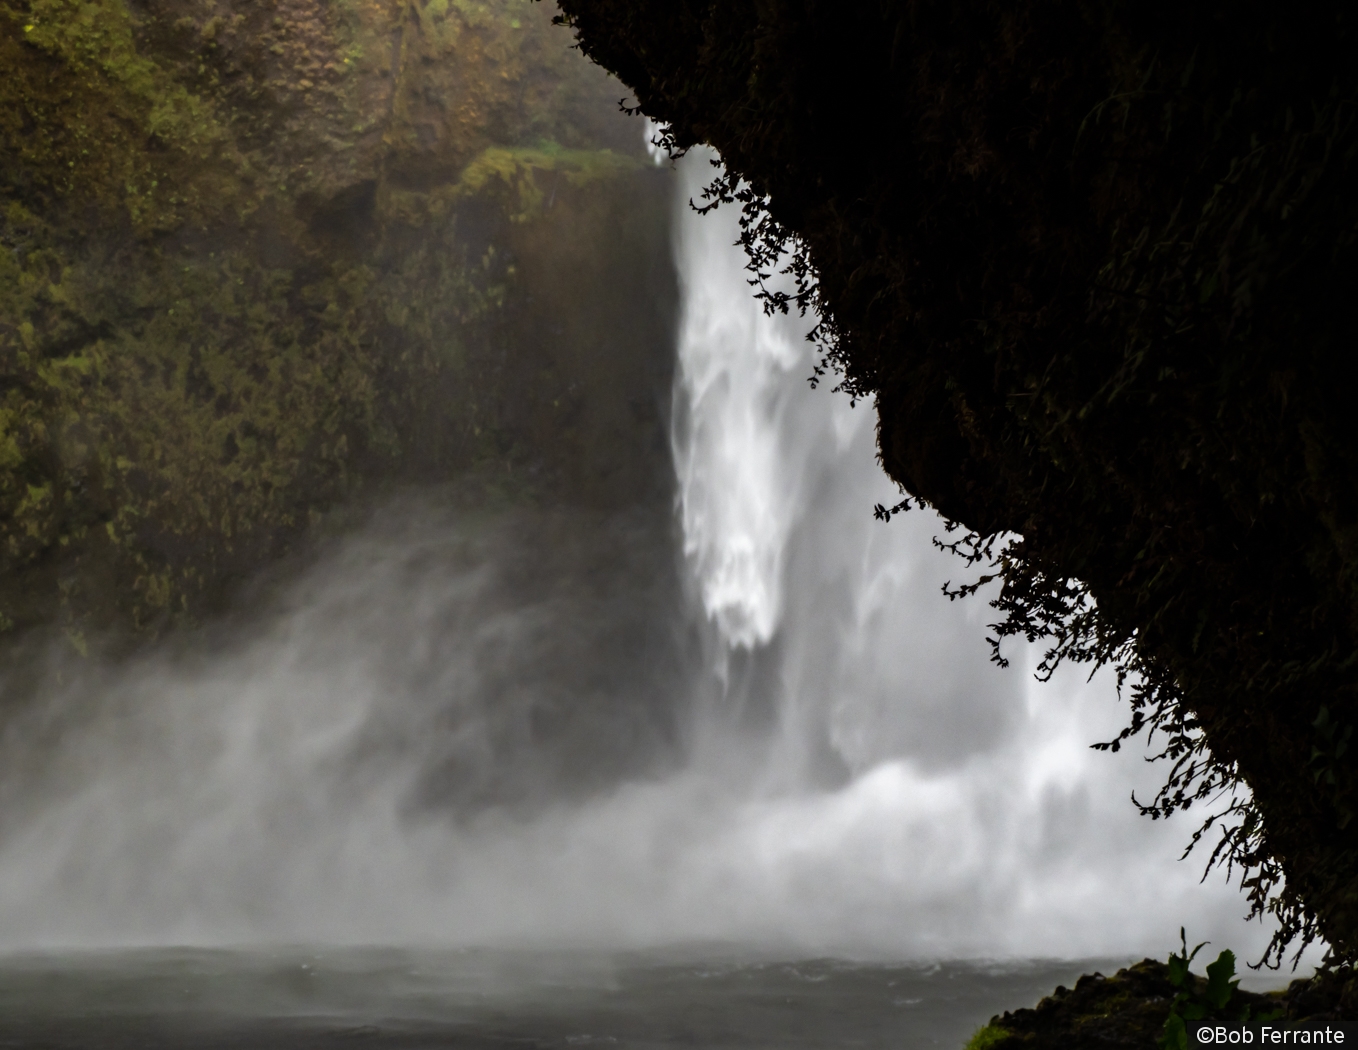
1095, 263
258, 257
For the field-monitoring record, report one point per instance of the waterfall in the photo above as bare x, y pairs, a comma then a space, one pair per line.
484, 727
956, 804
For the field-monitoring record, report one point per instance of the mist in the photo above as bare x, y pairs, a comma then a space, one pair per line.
754, 721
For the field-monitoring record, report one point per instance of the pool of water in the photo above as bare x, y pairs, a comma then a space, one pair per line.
375, 997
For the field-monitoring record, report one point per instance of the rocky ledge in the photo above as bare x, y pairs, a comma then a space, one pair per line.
1130, 1009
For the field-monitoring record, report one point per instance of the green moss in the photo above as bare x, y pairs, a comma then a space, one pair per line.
236, 282
89, 119
522, 181
988, 1036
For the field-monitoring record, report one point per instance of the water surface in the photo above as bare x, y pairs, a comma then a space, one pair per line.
377, 997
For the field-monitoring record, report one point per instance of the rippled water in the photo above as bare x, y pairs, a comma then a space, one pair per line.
376, 997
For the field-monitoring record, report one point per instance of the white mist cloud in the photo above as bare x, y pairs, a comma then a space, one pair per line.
456, 729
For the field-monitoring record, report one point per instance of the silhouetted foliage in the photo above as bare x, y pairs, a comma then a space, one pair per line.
1095, 262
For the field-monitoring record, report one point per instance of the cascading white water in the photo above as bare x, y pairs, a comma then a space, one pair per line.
964, 802
739, 495
370, 763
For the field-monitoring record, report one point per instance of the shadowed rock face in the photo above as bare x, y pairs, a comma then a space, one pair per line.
1094, 264
257, 259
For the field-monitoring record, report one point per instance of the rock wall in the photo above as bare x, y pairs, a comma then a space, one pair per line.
260, 259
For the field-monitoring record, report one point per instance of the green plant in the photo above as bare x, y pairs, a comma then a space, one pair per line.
1197, 1001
